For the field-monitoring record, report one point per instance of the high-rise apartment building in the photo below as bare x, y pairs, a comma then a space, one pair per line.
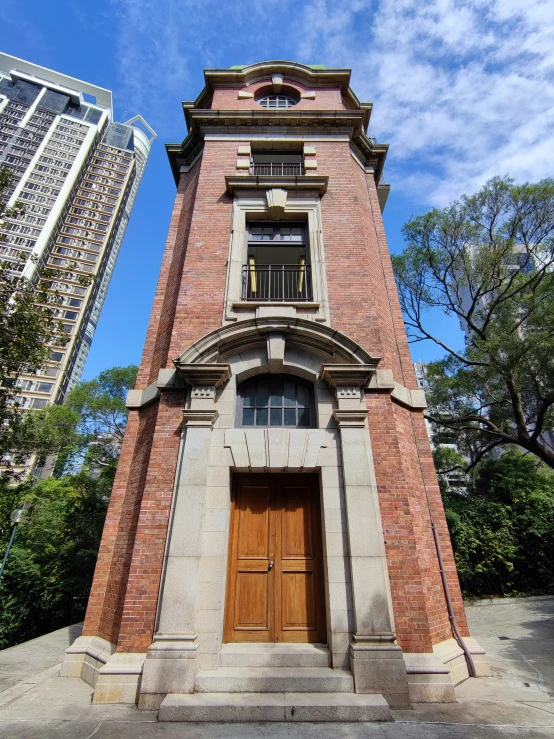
276, 529
77, 173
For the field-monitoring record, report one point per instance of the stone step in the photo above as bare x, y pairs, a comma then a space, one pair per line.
274, 680
274, 655
245, 707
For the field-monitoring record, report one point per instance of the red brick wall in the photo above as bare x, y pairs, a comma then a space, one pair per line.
228, 98
362, 294
202, 291
114, 558
105, 604
404, 480
141, 598
158, 336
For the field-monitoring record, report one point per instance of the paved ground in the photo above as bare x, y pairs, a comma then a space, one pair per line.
518, 701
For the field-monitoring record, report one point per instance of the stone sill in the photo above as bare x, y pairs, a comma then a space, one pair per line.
267, 182
246, 304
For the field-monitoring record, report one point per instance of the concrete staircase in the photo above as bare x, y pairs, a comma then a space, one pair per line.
274, 682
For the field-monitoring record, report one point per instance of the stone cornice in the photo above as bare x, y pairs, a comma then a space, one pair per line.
215, 117
372, 380
349, 121
212, 375
352, 375
261, 182
312, 77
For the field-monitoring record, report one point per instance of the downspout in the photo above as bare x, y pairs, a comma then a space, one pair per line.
472, 672
467, 654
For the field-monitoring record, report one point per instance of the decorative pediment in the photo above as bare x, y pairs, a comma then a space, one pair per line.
332, 345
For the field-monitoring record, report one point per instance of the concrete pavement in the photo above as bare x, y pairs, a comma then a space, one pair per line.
517, 701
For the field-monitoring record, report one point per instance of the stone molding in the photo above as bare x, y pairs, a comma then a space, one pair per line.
339, 376
196, 374
276, 202
199, 418
137, 399
410, 398
350, 418
241, 336
276, 450
236, 183
353, 375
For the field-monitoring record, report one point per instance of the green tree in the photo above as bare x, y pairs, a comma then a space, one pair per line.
28, 324
503, 531
100, 406
87, 430
50, 568
488, 260
446, 460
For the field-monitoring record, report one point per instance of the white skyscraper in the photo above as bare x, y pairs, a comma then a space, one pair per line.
77, 172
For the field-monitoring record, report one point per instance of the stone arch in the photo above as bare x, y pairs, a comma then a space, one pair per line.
294, 345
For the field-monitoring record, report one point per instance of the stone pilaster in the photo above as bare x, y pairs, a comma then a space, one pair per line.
376, 660
171, 664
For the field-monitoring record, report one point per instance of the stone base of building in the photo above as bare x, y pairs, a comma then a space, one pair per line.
85, 657
380, 669
432, 677
119, 680
168, 671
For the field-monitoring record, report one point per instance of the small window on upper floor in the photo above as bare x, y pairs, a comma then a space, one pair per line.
276, 400
277, 101
277, 163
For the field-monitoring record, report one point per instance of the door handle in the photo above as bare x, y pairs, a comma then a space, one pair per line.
270, 564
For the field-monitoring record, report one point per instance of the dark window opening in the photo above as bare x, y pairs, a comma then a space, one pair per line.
276, 163
277, 263
275, 400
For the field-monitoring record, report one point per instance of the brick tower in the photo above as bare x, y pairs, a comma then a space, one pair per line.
275, 527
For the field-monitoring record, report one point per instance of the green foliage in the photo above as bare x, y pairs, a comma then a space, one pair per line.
446, 460
503, 532
46, 432
100, 403
100, 406
51, 564
488, 260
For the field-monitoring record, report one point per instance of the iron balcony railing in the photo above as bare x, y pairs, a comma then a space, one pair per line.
279, 282
279, 169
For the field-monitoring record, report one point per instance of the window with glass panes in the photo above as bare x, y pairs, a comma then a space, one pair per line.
275, 400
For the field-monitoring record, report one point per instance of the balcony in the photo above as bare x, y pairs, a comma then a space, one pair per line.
277, 283
277, 169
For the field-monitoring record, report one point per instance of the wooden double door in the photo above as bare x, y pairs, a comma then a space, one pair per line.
275, 574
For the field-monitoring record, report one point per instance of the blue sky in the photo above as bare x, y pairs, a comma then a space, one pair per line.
462, 91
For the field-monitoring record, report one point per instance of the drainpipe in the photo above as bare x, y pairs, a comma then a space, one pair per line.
467, 654
472, 672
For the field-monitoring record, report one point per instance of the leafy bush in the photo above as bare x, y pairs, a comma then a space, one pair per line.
503, 532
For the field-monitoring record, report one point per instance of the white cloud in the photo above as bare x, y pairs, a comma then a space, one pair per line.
165, 44
463, 90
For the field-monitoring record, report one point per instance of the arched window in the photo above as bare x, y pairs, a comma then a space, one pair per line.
276, 101
275, 400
